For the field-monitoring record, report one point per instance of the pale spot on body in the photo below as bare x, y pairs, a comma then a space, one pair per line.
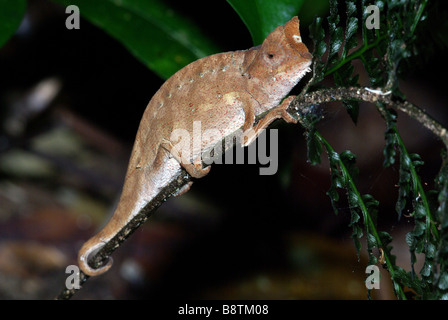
205, 107
230, 98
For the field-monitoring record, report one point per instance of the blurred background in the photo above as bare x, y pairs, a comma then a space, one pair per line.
70, 105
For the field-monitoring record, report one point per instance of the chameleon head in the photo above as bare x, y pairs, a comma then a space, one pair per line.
282, 55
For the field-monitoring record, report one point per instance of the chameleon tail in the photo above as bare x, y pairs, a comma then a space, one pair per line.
121, 216
138, 189
92, 245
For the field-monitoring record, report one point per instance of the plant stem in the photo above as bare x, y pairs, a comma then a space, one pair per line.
368, 221
421, 8
430, 225
355, 54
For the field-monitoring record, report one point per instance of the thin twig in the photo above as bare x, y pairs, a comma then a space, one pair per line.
299, 105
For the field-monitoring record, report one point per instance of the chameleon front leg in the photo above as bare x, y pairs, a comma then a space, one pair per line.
194, 169
251, 133
249, 112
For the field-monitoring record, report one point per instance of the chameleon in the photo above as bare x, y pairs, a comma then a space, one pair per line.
224, 91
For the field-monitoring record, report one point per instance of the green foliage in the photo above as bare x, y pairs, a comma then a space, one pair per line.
431, 37
163, 39
263, 16
389, 151
342, 48
11, 14
363, 207
440, 259
381, 52
314, 146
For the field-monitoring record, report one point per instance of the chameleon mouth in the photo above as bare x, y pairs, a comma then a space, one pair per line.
304, 71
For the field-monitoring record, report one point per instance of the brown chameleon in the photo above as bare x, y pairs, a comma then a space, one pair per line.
225, 91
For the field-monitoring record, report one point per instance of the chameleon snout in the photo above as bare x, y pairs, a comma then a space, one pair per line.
306, 55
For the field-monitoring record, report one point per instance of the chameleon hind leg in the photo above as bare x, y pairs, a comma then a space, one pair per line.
194, 169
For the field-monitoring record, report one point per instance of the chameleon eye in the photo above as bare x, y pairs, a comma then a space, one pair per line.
270, 55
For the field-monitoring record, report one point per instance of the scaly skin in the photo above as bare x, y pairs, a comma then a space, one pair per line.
225, 91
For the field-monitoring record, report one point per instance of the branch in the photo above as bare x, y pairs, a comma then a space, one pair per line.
297, 107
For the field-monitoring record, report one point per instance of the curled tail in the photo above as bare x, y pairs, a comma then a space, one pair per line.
86, 251
142, 183
126, 209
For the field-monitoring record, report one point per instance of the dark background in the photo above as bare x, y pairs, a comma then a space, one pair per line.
235, 234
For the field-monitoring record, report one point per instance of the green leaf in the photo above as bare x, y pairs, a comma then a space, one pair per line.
314, 146
389, 150
314, 149
11, 15
164, 40
410, 240
263, 16
404, 183
443, 281
317, 33
442, 199
426, 269
430, 250
401, 276
348, 158
420, 210
351, 28
336, 41
356, 233
336, 34
419, 229
371, 205
337, 181
371, 241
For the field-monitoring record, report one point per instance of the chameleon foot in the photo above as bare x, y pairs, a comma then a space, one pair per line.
194, 169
